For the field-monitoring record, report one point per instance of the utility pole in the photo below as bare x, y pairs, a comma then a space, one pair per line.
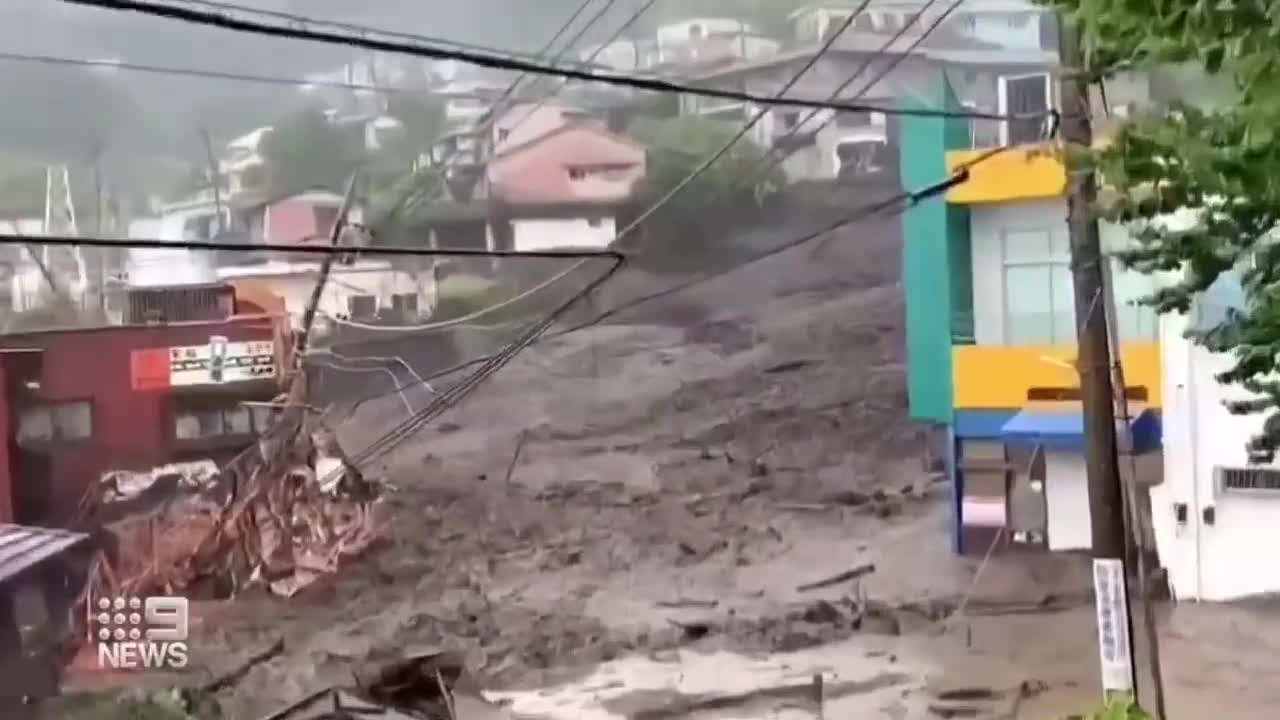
215, 177
1106, 501
1089, 274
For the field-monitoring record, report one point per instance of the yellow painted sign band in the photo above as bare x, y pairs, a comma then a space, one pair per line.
997, 377
1023, 173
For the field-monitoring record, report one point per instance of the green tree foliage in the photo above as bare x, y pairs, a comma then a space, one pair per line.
679, 146
1216, 162
304, 151
423, 119
689, 230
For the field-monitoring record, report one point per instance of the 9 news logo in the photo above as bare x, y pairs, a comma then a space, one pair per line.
140, 633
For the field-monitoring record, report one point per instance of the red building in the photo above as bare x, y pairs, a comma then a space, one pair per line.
77, 403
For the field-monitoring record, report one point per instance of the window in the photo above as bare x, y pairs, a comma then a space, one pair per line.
577, 173
55, 422
202, 423
1038, 297
503, 134
1017, 21
790, 119
1024, 95
405, 303
362, 306
1249, 480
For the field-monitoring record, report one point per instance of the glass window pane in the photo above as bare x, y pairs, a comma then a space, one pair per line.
262, 417
1028, 313
239, 421
1060, 246
35, 426
73, 421
1022, 246
1064, 311
186, 426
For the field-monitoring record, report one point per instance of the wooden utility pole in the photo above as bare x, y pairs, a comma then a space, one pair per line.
1106, 500
1107, 507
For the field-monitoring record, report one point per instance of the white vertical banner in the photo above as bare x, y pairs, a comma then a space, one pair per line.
1114, 648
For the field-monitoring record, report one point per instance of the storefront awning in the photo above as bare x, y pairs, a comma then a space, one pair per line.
1062, 428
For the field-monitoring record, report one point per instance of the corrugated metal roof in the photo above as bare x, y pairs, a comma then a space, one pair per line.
23, 547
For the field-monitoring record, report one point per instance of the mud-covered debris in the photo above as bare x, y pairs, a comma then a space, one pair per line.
969, 694
947, 712
421, 683
283, 514
788, 366
838, 578
850, 498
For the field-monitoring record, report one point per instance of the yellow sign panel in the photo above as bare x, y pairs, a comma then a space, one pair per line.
1024, 173
987, 377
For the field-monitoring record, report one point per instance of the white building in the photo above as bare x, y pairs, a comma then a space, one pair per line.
363, 290
1215, 514
243, 165
685, 43
1011, 24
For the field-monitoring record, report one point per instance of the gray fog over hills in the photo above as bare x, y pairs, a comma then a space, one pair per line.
63, 113
145, 126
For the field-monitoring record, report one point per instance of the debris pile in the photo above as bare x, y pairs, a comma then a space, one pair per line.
283, 514
421, 686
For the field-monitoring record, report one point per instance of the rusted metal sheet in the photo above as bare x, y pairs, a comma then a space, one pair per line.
24, 547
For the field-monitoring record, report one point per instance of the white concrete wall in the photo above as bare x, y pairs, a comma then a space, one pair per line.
997, 31
1067, 501
1235, 556
988, 225
535, 235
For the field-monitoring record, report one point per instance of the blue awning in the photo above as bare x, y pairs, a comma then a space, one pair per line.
1062, 428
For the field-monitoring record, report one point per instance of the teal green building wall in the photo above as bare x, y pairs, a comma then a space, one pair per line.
936, 275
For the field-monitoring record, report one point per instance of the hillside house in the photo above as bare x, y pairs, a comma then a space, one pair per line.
538, 177
825, 145
1010, 24
396, 291
689, 43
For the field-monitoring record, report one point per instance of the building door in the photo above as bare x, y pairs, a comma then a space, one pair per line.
1028, 510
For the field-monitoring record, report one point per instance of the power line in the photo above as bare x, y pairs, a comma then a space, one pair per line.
959, 175
344, 250
590, 59
407, 198
211, 19
403, 430
353, 27
193, 72
755, 120
767, 164
711, 160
